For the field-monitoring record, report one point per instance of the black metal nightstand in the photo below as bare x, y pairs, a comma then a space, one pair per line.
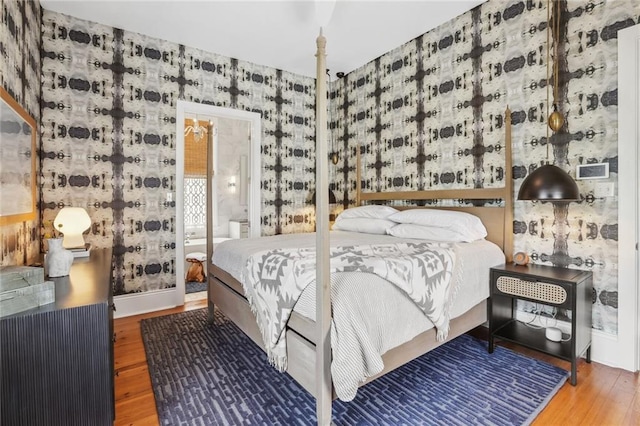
560, 287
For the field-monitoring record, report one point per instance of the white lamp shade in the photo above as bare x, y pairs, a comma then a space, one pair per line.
72, 222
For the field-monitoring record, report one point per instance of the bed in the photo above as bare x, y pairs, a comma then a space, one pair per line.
308, 342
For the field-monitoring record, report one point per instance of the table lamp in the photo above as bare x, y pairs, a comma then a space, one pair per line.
72, 222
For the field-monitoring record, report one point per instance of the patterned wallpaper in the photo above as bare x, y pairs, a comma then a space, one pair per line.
430, 115
20, 77
108, 122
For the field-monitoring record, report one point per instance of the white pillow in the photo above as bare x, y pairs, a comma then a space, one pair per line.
364, 225
431, 233
463, 223
372, 211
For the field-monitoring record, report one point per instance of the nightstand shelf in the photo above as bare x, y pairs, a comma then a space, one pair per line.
517, 332
561, 288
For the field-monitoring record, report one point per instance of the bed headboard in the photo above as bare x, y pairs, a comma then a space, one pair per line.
498, 220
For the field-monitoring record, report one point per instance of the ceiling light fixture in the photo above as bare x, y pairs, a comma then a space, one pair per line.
550, 182
199, 132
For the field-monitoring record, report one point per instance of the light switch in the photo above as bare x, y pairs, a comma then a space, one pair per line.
604, 189
169, 197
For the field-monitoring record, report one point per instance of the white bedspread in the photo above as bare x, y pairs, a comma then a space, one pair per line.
273, 281
477, 257
366, 323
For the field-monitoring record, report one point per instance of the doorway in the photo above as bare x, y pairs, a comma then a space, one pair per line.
232, 139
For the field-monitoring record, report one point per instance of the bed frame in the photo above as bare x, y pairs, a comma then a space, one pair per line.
308, 342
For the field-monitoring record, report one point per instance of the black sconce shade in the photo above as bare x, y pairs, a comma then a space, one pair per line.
332, 198
549, 182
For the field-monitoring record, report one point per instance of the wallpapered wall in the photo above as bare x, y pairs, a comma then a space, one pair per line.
108, 121
20, 77
430, 115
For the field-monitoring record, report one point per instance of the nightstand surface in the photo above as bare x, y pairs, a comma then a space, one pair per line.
543, 271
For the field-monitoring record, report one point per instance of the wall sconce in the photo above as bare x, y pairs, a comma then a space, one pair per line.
232, 184
332, 197
72, 222
550, 182
333, 155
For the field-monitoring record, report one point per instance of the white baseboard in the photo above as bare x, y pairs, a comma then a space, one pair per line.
141, 303
603, 345
604, 349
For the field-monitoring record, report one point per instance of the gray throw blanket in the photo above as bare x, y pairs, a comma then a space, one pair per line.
274, 279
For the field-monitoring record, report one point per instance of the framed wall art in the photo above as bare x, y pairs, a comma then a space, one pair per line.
17, 162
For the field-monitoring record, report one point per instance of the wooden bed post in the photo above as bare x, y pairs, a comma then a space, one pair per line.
508, 189
209, 217
358, 175
323, 281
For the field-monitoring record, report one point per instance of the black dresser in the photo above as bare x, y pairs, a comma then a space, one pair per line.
57, 360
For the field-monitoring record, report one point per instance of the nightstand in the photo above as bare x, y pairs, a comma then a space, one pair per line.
559, 287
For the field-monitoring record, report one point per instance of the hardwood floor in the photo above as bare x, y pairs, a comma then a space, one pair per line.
135, 403
603, 396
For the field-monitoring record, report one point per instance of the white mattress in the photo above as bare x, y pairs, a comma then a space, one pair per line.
475, 259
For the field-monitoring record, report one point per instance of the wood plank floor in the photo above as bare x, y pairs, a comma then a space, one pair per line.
603, 396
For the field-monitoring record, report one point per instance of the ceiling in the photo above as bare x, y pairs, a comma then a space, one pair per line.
279, 34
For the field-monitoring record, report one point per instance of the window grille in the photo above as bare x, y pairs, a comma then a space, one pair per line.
195, 203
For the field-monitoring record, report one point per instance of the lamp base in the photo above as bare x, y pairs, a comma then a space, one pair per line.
81, 251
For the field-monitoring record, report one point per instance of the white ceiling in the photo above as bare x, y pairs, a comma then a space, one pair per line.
279, 34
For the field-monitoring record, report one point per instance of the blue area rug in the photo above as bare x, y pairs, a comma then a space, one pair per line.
215, 375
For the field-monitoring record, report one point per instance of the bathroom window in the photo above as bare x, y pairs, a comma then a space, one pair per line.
195, 206
195, 172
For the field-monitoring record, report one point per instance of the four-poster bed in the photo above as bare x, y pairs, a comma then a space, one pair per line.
308, 342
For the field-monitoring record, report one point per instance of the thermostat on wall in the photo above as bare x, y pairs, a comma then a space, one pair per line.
592, 171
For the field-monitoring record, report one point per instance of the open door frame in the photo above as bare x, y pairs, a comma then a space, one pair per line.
184, 109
